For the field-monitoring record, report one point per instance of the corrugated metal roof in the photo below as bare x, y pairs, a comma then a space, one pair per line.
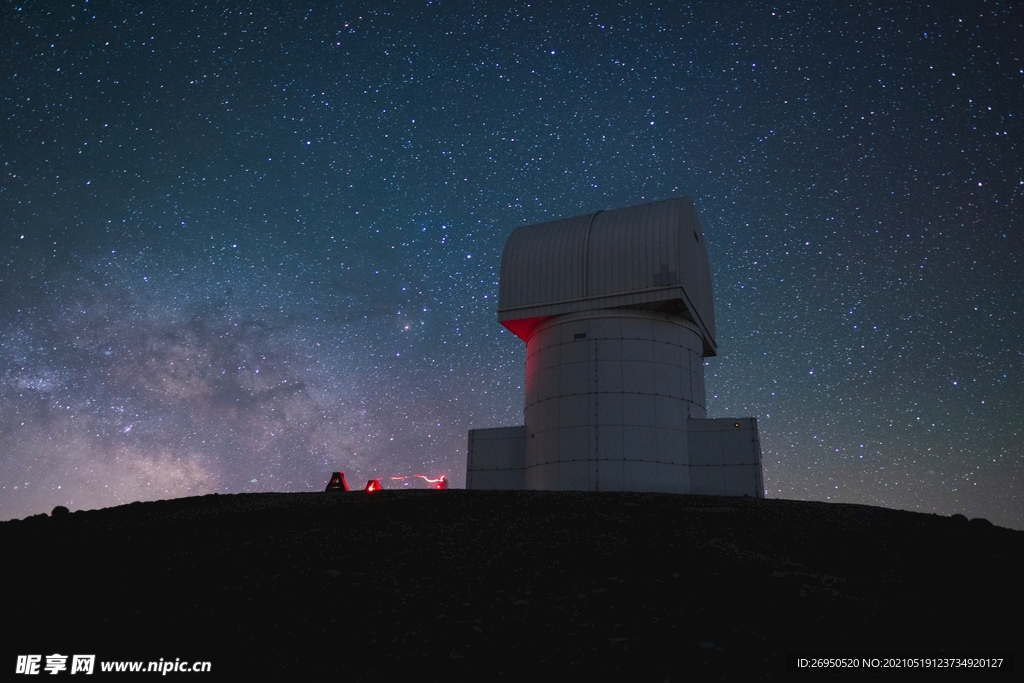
649, 255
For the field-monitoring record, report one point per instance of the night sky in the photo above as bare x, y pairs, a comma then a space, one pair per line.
244, 246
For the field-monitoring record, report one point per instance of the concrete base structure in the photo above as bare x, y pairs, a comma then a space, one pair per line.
725, 460
495, 460
725, 457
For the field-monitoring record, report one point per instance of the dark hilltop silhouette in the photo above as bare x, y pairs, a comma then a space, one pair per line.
481, 584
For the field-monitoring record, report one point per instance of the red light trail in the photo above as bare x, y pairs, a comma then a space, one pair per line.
338, 483
440, 483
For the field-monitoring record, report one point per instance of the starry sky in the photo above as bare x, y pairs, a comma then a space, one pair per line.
243, 245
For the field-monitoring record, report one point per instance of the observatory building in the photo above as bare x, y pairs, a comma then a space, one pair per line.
617, 313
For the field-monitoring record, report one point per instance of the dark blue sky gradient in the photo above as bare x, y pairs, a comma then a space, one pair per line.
243, 246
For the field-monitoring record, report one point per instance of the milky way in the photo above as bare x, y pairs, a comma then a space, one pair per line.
243, 247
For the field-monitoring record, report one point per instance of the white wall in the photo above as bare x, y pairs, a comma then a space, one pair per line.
725, 457
495, 458
608, 396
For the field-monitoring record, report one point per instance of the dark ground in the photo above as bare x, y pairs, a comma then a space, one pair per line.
477, 584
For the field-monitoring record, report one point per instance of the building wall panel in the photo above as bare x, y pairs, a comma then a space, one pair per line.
610, 441
495, 458
628, 393
668, 379
575, 443
669, 413
608, 475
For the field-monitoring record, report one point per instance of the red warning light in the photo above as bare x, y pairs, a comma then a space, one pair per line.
373, 485
337, 482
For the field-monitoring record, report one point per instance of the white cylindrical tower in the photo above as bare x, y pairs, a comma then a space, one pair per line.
608, 395
617, 312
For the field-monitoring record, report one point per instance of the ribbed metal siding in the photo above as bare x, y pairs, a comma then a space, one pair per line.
569, 264
695, 268
628, 247
544, 263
